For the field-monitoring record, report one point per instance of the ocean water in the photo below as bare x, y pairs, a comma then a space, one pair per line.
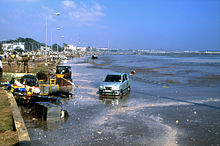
174, 100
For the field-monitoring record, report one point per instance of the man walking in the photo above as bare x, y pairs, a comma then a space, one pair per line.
1, 71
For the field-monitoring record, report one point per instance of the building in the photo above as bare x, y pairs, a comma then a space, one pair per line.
70, 48
102, 49
81, 49
19, 45
8, 47
73, 49
43, 48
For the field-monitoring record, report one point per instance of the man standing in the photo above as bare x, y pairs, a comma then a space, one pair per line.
1, 71
25, 61
9, 63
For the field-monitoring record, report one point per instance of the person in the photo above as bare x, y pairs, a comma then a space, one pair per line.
33, 58
9, 63
19, 61
25, 61
1, 70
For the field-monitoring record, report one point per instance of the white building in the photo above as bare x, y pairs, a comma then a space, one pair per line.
12, 46
81, 49
102, 49
7, 46
70, 48
43, 48
19, 45
73, 49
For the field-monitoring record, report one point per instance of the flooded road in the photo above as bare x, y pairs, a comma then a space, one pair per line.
174, 100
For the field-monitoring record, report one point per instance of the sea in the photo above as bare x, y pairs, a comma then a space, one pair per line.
174, 100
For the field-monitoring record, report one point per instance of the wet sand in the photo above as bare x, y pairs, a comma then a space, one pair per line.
164, 107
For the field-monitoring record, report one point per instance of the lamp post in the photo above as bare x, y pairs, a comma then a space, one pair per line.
46, 41
57, 13
57, 40
63, 46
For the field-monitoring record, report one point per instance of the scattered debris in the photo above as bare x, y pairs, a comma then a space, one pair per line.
99, 132
165, 87
177, 121
133, 72
94, 56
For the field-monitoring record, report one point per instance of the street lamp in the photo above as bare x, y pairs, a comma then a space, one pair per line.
57, 13
62, 37
57, 39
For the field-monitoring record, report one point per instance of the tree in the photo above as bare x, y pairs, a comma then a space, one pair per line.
18, 49
54, 48
65, 45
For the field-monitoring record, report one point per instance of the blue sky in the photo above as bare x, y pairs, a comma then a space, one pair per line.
126, 24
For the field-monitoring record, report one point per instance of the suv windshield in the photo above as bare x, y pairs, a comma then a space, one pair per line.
62, 69
113, 78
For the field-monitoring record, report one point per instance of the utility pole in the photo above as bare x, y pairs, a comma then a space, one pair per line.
46, 41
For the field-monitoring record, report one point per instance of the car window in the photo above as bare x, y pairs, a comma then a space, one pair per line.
113, 78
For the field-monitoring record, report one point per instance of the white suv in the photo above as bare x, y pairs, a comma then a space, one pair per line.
115, 84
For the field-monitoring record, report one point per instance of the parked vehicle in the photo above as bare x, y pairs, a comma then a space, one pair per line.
24, 88
94, 56
63, 72
115, 84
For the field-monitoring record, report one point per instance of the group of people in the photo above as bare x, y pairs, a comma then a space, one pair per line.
20, 60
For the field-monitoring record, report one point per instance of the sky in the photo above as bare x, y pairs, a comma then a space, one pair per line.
119, 24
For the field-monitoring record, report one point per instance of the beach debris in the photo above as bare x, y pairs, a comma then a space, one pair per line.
133, 72
195, 112
187, 120
177, 121
211, 99
99, 132
165, 87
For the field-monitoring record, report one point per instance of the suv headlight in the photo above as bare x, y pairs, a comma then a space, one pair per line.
101, 87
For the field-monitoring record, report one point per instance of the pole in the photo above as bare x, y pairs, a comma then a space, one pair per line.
51, 48
46, 40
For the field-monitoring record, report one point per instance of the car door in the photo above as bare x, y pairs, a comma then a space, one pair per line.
127, 81
124, 82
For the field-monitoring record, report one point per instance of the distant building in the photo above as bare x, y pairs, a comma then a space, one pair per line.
70, 48
102, 49
73, 49
7, 47
12, 46
81, 49
43, 48
19, 45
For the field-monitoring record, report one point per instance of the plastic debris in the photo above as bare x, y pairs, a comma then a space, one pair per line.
165, 87
99, 132
177, 121
195, 112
